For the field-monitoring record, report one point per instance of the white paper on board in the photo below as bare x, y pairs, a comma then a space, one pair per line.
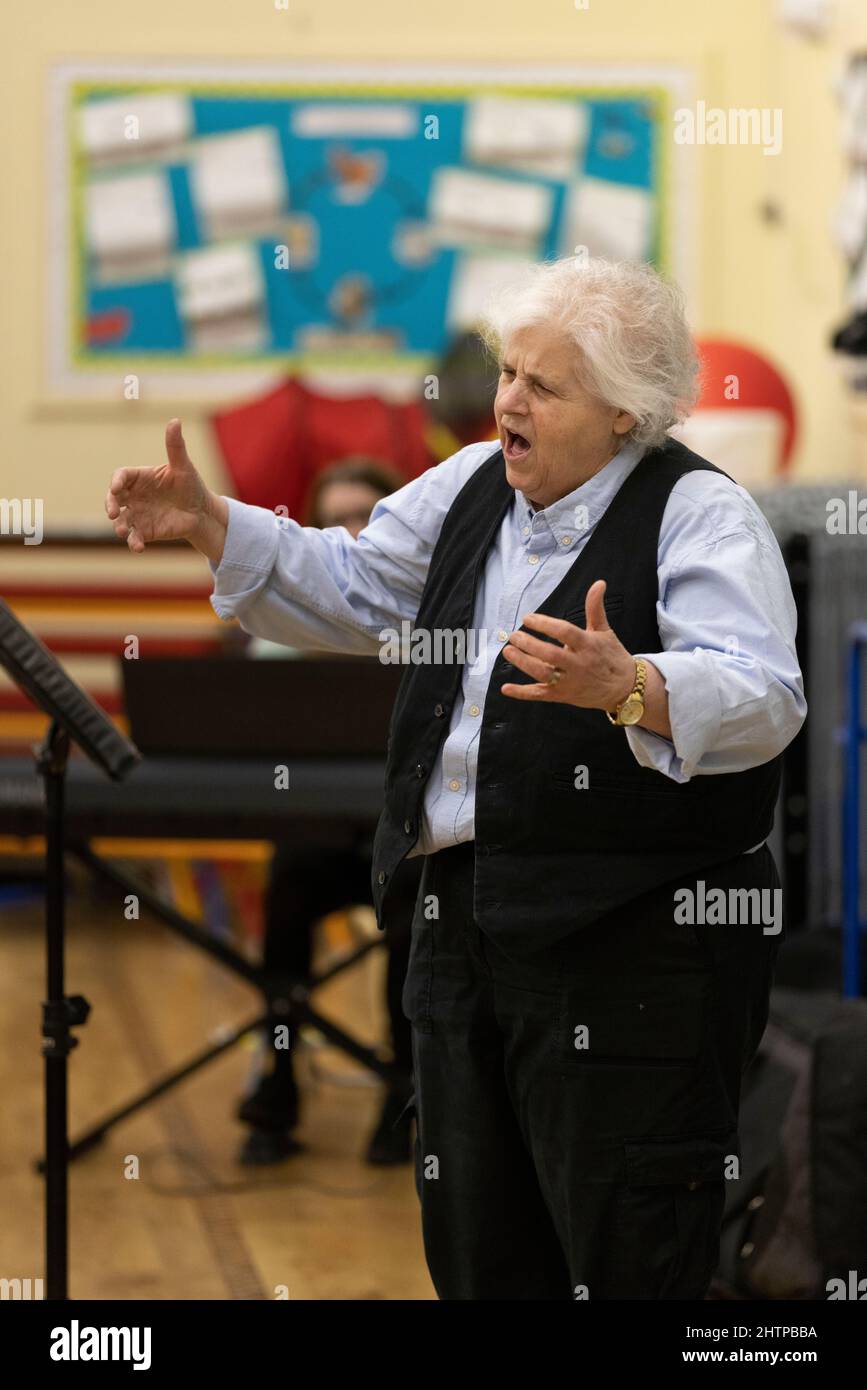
610, 219
331, 121
239, 184
140, 125
475, 281
221, 296
545, 137
470, 209
130, 225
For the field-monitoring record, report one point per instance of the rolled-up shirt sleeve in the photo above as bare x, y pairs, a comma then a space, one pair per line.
320, 590
727, 622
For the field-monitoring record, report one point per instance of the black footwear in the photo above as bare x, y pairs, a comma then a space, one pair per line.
273, 1105
391, 1141
264, 1146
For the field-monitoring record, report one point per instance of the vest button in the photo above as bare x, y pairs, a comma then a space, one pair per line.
420, 771
407, 825
380, 877
439, 711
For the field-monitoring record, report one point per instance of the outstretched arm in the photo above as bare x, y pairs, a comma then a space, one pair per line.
311, 589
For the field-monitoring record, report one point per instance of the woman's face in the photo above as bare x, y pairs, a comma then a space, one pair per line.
347, 504
553, 434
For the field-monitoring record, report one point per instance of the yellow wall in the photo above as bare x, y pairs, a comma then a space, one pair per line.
775, 283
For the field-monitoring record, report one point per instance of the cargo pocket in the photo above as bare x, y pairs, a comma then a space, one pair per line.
675, 1195
676, 1160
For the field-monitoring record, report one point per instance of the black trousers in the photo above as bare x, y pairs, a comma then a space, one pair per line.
577, 1108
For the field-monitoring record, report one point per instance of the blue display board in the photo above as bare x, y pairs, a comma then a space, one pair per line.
353, 222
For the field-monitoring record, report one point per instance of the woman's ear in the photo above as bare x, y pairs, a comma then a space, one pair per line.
623, 422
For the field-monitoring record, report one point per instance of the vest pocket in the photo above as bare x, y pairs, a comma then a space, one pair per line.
650, 787
613, 603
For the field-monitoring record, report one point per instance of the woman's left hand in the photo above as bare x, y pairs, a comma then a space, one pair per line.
598, 671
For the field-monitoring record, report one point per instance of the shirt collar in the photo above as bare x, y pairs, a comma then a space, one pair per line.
572, 517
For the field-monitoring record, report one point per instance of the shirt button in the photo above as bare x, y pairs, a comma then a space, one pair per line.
566, 540
439, 711
502, 636
474, 710
533, 559
454, 785
407, 825
380, 877
525, 530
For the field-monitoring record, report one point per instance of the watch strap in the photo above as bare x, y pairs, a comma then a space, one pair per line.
637, 690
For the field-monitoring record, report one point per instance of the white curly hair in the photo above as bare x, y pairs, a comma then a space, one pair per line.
634, 349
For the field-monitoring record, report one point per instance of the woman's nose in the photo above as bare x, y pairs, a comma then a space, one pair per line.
512, 396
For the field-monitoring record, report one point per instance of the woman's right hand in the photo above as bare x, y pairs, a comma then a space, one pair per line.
167, 503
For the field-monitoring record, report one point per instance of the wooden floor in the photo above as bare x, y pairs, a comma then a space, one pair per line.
194, 1224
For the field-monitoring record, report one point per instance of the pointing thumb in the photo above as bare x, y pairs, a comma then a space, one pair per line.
594, 607
176, 449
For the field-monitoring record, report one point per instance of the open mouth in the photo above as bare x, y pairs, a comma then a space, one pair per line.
516, 446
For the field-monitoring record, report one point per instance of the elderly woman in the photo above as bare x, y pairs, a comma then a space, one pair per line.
591, 956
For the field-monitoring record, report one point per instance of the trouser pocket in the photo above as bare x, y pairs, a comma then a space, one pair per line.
669, 1215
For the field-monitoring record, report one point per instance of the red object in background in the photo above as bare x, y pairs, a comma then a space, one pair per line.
760, 386
108, 326
275, 445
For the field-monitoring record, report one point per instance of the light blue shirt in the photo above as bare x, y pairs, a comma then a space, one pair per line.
725, 611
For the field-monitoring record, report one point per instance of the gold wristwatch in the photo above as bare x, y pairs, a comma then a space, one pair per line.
630, 710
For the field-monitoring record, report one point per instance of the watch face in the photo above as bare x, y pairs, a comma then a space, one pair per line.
632, 710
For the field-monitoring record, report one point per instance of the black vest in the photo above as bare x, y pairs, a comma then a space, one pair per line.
551, 857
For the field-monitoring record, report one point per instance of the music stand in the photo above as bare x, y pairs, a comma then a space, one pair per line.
75, 718
288, 694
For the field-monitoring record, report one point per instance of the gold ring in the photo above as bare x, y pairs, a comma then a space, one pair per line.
555, 676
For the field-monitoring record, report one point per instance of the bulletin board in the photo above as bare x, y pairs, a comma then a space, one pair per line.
211, 226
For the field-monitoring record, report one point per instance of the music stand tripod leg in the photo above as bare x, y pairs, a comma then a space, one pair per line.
59, 1015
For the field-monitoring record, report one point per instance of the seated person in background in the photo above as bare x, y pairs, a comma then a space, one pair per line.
342, 495
306, 885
